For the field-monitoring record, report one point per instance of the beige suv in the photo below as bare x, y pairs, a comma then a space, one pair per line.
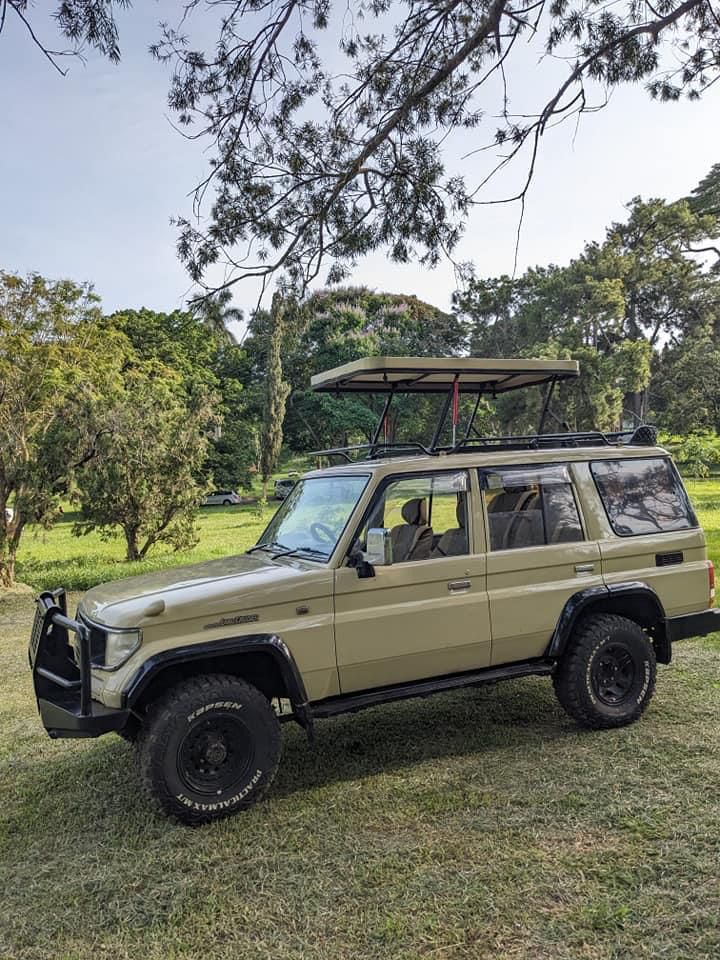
409, 569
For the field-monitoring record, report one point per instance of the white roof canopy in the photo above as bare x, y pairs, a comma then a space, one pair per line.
437, 375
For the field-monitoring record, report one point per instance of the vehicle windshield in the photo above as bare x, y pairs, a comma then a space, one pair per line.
313, 516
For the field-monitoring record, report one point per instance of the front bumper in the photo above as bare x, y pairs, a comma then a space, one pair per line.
61, 674
693, 624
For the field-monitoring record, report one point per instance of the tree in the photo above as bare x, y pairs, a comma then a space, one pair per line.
206, 364
277, 391
328, 128
147, 475
178, 340
686, 385
612, 308
81, 22
216, 313
705, 197
52, 362
346, 324
329, 122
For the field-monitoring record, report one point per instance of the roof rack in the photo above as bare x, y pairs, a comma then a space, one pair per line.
643, 436
452, 376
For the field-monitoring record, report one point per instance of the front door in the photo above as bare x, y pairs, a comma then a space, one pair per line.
426, 614
538, 556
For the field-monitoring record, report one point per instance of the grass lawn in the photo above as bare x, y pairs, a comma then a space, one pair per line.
56, 558
470, 825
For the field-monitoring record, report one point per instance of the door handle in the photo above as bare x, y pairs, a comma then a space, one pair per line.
584, 567
455, 585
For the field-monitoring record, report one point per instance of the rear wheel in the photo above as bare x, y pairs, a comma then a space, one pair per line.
606, 677
227, 503
208, 748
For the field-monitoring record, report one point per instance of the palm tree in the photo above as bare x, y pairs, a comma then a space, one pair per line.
215, 313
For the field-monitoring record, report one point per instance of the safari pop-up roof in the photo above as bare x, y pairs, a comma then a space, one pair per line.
431, 375
450, 376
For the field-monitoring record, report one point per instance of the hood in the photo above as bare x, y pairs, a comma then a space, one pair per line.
212, 587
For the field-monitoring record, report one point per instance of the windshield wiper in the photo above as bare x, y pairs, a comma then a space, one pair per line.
288, 552
269, 546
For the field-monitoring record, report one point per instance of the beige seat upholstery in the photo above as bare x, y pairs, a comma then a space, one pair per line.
454, 542
504, 512
412, 540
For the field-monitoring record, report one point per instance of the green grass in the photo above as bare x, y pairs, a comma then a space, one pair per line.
474, 825
481, 824
56, 558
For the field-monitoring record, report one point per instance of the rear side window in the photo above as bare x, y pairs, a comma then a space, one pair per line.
530, 507
642, 496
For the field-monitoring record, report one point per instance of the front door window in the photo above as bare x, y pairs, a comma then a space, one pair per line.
427, 516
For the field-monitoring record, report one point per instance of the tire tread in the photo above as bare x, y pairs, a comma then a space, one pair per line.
155, 732
569, 678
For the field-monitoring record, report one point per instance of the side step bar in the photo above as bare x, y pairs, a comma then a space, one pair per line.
352, 702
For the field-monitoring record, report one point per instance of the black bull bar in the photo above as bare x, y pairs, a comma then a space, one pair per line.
61, 672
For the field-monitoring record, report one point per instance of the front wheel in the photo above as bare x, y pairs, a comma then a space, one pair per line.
606, 677
208, 748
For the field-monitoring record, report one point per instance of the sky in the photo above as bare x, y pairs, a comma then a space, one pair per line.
91, 172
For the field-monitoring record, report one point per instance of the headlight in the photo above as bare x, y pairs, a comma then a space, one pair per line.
111, 648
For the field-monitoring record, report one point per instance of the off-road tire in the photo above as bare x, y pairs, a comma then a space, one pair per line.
584, 680
209, 747
130, 732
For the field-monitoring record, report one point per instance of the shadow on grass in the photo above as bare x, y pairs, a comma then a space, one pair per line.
95, 786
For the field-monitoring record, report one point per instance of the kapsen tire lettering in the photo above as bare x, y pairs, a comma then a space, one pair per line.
208, 748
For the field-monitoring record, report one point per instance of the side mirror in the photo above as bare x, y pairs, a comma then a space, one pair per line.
379, 547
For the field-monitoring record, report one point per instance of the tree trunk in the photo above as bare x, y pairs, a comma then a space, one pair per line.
7, 568
133, 551
10, 535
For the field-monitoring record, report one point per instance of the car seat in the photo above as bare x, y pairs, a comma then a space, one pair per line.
454, 542
412, 540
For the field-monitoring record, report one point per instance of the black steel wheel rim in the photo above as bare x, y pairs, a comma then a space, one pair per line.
614, 673
215, 754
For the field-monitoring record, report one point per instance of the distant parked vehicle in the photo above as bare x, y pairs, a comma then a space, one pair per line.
283, 487
9, 514
225, 498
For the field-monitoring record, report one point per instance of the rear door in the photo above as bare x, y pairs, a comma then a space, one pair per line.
426, 614
538, 555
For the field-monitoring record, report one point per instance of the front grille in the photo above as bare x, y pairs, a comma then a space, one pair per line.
37, 629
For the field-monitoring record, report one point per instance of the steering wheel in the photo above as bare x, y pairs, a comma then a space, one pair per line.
322, 533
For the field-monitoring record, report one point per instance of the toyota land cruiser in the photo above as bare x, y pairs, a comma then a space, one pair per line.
409, 569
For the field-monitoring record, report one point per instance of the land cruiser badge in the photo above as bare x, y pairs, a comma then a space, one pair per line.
231, 621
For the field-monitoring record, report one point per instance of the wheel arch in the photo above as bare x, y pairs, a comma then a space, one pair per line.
263, 660
635, 600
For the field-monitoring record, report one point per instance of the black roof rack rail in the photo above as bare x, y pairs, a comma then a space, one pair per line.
376, 450
644, 435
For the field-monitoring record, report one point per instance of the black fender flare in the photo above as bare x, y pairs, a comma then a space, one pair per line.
265, 643
579, 602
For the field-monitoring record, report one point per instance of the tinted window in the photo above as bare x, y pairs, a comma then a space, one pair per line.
642, 496
530, 508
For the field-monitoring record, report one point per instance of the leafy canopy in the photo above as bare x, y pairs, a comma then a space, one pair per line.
53, 364
329, 122
147, 475
639, 296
